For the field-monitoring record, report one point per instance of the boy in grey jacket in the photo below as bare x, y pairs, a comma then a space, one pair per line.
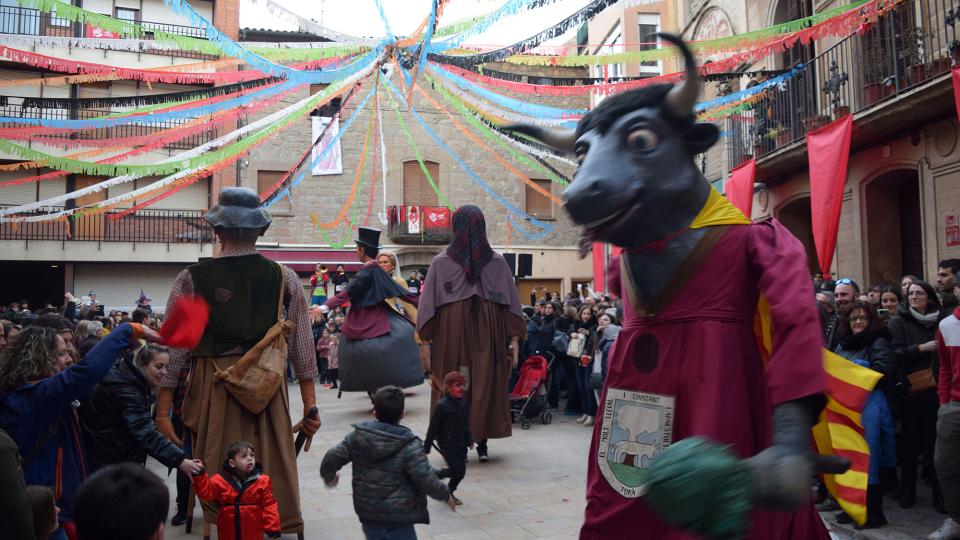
391, 474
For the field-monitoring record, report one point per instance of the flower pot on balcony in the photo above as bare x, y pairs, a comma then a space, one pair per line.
784, 138
815, 122
914, 74
840, 111
875, 92
940, 65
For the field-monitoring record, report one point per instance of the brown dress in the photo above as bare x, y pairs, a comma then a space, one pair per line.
473, 336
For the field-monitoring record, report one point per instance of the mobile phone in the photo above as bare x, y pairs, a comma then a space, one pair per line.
884, 314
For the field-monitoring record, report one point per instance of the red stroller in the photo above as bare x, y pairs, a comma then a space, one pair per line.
528, 398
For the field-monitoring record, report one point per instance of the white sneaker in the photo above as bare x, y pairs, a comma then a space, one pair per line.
582, 419
948, 531
588, 421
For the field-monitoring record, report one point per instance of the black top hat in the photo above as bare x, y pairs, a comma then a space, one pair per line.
368, 237
238, 208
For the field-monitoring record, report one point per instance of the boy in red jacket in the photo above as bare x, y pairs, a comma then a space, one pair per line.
242, 489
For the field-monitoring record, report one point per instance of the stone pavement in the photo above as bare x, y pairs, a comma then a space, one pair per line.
532, 487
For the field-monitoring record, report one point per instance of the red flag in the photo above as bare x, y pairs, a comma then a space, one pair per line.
956, 86
183, 326
828, 151
739, 188
599, 267
436, 218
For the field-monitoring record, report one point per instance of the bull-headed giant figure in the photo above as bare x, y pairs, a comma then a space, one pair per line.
686, 364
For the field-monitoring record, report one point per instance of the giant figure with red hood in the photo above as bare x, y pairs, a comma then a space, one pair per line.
699, 435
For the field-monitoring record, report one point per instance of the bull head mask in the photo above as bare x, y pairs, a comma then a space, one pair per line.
636, 181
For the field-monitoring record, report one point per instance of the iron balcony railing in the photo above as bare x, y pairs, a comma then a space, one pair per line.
908, 46
32, 22
433, 225
156, 226
145, 129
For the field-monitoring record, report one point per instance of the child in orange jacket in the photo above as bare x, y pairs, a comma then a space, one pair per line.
240, 488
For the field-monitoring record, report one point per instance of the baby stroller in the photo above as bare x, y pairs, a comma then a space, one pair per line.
528, 398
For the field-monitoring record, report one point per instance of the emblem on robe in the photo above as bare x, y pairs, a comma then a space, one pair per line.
636, 427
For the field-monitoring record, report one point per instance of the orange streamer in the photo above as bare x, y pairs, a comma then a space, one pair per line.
356, 181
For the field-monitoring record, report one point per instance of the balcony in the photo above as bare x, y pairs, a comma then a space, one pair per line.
910, 49
32, 22
155, 226
420, 225
145, 129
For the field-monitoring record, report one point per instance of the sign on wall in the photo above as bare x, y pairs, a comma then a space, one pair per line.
331, 163
952, 230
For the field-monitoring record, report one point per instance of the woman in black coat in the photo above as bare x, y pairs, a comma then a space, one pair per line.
585, 328
914, 330
116, 419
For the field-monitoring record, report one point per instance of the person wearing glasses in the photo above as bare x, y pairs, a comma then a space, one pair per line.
845, 293
913, 330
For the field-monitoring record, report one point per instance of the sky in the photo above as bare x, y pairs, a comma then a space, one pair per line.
361, 18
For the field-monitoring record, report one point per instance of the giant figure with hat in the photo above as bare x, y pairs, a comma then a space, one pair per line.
243, 289
379, 348
687, 365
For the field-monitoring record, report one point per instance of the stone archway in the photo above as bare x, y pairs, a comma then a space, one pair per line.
893, 230
796, 217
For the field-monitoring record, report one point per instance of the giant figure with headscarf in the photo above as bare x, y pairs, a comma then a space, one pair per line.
470, 319
379, 348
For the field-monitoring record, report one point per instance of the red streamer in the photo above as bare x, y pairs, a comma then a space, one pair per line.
828, 151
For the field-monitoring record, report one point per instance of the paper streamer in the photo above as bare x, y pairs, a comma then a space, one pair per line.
545, 228
307, 25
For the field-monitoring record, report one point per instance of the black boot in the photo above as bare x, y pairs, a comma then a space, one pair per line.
875, 516
908, 486
938, 503
889, 479
180, 517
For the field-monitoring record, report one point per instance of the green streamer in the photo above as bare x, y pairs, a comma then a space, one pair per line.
416, 150
489, 134
457, 26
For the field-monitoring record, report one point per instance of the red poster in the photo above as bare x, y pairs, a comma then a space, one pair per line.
739, 188
828, 151
436, 218
955, 72
953, 235
93, 32
599, 267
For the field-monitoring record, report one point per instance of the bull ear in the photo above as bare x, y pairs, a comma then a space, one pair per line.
701, 136
561, 139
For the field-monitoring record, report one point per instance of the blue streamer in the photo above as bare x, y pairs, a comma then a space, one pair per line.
323, 153
511, 7
386, 22
737, 96
426, 39
233, 49
529, 109
194, 112
547, 229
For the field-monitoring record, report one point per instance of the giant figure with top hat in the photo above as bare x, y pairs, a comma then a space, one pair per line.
379, 348
244, 291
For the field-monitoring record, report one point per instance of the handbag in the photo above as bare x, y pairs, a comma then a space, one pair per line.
258, 374
561, 340
921, 381
575, 348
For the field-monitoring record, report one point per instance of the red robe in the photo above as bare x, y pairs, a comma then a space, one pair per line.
247, 507
694, 369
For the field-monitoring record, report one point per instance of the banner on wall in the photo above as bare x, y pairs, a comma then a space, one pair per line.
330, 162
436, 218
828, 151
91, 31
413, 220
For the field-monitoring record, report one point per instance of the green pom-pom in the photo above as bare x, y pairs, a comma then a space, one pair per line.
702, 487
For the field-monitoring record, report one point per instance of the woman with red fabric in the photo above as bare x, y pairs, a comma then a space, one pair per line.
247, 507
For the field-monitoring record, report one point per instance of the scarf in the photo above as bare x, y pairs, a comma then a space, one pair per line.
929, 319
469, 247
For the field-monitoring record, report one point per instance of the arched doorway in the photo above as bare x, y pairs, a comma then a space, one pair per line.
893, 226
795, 216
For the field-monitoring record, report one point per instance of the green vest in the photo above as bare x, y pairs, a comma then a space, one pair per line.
242, 293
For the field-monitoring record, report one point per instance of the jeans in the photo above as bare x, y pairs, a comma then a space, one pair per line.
587, 400
947, 456
399, 532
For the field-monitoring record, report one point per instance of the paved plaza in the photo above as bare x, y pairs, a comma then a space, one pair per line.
532, 487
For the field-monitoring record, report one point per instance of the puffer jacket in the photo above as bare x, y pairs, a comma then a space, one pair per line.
247, 506
117, 424
391, 474
43, 412
907, 335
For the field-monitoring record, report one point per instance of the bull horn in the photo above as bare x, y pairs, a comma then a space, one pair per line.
559, 138
683, 96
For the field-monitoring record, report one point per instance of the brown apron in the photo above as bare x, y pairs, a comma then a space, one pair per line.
217, 420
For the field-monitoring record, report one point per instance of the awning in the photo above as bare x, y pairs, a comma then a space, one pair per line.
307, 261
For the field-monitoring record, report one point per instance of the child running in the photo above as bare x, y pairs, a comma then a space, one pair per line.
450, 428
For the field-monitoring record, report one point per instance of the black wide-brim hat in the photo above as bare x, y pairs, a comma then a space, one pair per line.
368, 237
238, 208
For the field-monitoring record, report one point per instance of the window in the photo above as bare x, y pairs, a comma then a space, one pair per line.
265, 179
416, 187
329, 109
538, 205
127, 14
649, 24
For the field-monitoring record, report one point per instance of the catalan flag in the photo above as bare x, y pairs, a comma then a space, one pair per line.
840, 429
